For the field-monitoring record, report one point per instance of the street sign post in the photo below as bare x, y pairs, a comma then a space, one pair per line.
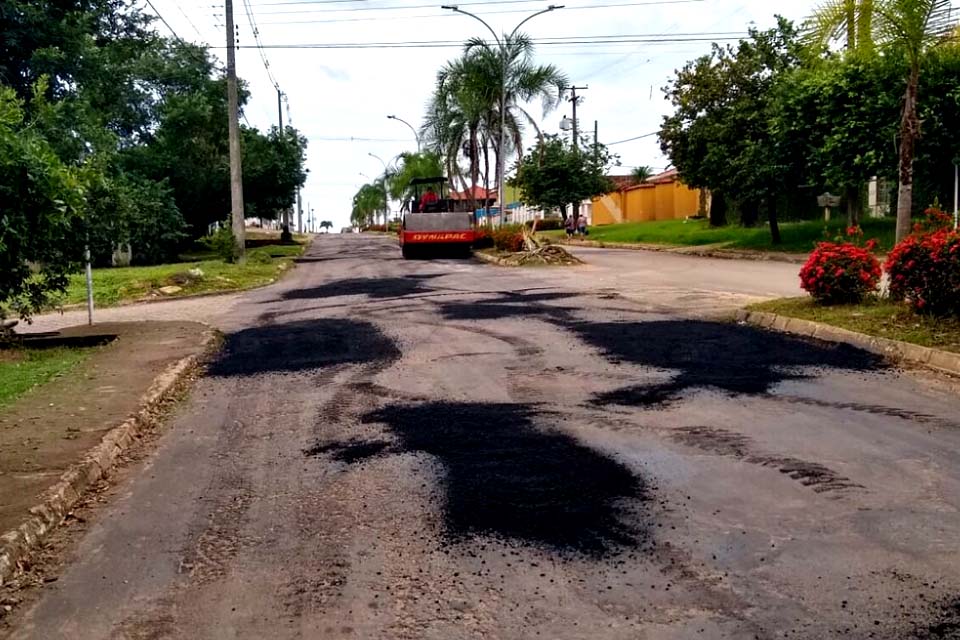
827, 201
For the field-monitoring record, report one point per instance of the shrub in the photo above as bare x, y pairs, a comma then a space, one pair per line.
483, 239
508, 238
221, 243
924, 268
841, 272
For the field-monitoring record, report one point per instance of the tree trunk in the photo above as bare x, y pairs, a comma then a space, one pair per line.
749, 213
909, 132
486, 178
718, 209
852, 197
774, 224
474, 167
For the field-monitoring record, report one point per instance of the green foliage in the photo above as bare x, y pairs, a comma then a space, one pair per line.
410, 166
222, 243
41, 230
553, 174
369, 201
720, 136
463, 117
22, 370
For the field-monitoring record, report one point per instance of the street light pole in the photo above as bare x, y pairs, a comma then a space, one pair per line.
502, 44
386, 199
415, 134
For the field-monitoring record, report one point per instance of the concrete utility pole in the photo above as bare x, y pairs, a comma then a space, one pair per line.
573, 101
236, 161
299, 211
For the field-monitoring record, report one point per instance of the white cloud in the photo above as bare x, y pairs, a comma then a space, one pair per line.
344, 93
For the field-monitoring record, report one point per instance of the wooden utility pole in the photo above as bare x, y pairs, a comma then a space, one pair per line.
236, 161
573, 100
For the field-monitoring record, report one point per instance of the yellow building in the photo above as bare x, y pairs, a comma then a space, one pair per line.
662, 197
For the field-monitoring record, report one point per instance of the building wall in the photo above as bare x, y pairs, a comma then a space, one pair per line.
667, 200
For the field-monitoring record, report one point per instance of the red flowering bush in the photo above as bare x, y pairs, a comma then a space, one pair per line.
508, 238
924, 268
841, 272
482, 239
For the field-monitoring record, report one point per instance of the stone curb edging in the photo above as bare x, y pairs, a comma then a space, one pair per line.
725, 254
894, 350
56, 502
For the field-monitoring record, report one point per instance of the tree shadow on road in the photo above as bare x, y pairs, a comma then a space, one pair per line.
506, 478
303, 346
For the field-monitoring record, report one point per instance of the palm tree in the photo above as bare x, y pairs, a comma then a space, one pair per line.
910, 27
641, 174
326, 224
426, 164
464, 113
848, 20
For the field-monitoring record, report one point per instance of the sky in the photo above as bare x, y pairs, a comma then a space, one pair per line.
339, 98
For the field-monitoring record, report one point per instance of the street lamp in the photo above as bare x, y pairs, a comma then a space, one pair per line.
501, 168
415, 134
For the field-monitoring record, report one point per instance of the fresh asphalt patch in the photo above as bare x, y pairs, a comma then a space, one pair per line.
303, 346
735, 359
351, 452
370, 287
505, 477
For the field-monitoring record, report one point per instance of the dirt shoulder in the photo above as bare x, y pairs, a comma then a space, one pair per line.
50, 428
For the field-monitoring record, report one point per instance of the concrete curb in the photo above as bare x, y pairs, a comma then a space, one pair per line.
17, 545
893, 350
725, 254
489, 259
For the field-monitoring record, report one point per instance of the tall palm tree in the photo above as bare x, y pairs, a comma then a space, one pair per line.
907, 27
464, 113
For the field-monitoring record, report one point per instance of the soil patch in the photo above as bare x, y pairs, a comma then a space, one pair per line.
49, 429
732, 358
370, 287
734, 445
507, 478
303, 346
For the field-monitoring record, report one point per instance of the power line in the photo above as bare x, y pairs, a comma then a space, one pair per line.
434, 44
407, 7
256, 38
184, 13
646, 135
164, 21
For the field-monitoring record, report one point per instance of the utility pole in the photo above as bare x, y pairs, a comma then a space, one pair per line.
236, 161
575, 206
280, 109
596, 141
299, 211
573, 100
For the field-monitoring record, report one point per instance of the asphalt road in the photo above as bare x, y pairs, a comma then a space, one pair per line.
447, 450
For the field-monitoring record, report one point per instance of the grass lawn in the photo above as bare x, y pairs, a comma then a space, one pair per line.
876, 317
23, 369
113, 286
798, 237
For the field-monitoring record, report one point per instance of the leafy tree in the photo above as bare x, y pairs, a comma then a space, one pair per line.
554, 174
272, 171
43, 206
908, 29
719, 137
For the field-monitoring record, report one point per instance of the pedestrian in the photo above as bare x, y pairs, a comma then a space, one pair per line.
582, 225
568, 224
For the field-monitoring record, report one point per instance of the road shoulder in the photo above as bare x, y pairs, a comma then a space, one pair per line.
894, 350
60, 439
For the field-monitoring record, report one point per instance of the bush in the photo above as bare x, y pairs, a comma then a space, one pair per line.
483, 239
508, 238
221, 243
924, 268
841, 272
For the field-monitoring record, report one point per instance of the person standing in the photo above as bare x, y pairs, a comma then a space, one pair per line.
582, 225
568, 224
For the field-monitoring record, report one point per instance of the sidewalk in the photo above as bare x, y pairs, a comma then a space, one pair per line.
48, 431
705, 251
